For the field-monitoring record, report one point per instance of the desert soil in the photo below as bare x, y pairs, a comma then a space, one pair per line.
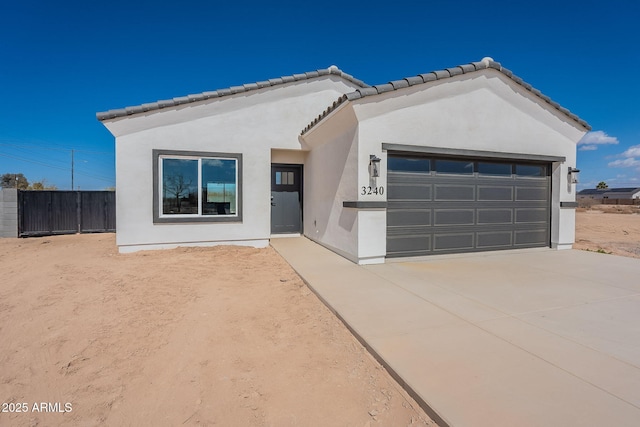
610, 229
226, 336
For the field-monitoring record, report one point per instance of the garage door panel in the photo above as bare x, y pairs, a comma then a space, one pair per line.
531, 237
495, 216
409, 204
496, 239
409, 230
532, 215
395, 176
454, 192
532, 193
406, 217
435, 212
495, 193
524, 206
453, 217
409, 191
412, 244
453, 242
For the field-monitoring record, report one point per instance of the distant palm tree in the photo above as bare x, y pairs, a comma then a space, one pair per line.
602, 186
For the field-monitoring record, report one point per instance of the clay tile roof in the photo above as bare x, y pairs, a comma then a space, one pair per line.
128, 111
445, 74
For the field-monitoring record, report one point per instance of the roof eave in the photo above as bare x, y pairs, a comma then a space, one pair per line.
168, 103
485, 63
337, 104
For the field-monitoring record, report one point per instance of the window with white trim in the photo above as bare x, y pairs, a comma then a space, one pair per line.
197, 186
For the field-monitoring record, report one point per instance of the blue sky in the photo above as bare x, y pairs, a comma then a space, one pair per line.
63, 61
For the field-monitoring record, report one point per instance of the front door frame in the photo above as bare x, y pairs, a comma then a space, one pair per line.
300, 168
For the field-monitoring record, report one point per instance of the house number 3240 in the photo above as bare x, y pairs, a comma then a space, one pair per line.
368, 191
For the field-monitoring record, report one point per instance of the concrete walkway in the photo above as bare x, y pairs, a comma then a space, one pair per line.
519, 338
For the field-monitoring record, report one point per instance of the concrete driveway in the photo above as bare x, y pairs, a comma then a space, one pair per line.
535, 337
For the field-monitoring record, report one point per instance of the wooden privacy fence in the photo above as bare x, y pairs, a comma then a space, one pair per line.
43, 213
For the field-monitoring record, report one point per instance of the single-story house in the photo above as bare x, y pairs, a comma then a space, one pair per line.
610, 193
469, 158
591, 193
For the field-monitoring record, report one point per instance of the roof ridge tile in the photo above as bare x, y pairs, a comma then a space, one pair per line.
484, 63
387, 87
429, 77
247, 87
454, 71
442, 74
467, 68
399, 84
480, 65
414, 80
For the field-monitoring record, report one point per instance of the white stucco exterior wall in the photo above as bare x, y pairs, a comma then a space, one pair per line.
482, 111
292, 157
331, 178
251, 124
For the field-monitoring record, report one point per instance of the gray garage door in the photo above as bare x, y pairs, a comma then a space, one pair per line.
440, 205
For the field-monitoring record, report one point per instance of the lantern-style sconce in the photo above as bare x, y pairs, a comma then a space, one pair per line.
374, 166
573, 175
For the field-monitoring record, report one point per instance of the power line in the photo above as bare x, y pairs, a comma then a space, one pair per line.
96, 177
34, 162
36, 143
32, 145
91, 174
105, 161
31, 153
56, 167
39, 146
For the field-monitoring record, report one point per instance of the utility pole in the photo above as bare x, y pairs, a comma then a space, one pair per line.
72, 169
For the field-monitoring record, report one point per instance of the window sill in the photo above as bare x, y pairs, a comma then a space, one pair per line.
198, 220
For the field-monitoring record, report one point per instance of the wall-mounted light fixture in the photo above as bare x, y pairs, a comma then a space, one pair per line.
374, 166
573, 175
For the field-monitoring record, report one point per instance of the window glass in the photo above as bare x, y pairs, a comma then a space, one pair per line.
408, 164
531, 170
503, 169
284, 178
179, 186
454, 167
217, 178
219, 186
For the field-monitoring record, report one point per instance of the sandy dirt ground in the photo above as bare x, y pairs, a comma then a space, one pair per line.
224, 336
610, 229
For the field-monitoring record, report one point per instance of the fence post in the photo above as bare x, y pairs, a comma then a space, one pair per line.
79, 211
20, 213
8, 212
50, 226
105, 207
